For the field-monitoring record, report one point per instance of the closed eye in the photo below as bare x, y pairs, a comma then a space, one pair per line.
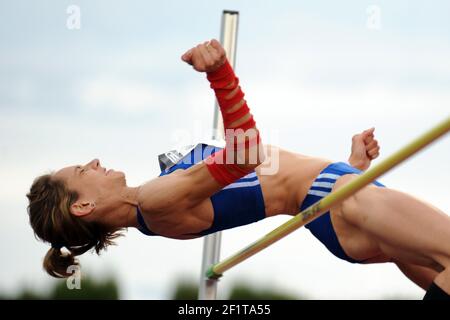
81, 170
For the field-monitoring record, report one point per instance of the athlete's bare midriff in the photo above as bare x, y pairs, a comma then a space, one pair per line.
285, 190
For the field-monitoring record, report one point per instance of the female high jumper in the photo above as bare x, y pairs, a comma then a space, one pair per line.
85, 207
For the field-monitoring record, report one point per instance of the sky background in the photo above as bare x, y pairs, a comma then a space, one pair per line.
314, 73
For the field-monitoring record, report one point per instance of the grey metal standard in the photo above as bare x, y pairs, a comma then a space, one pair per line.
211, 243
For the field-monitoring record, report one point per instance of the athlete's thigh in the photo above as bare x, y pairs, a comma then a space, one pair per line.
355, 241
398, 224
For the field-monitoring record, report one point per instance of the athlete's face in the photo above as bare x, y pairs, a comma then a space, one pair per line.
92, 180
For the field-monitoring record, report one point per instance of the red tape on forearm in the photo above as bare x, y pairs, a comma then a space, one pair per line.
224, 170
222, 72
225, 103
229, 118
249, 124
220, 172
251, 142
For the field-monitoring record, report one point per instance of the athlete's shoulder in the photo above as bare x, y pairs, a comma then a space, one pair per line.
185, 156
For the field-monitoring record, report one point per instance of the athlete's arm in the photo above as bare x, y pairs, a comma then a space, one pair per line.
365, 148
243, 152
180, 190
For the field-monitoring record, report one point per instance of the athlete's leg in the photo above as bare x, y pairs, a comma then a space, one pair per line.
363, 247
403, 227
422, 276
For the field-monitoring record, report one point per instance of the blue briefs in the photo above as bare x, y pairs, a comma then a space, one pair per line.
322, 227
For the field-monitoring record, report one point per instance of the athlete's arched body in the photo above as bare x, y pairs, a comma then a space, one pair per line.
226, 190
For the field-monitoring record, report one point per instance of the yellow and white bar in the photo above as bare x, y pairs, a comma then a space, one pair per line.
322, 206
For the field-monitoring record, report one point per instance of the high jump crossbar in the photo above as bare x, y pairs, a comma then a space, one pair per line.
316, 210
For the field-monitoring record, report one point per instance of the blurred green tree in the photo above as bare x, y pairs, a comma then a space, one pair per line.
28, 294
248, 292
185, 290
91, 289
188, 290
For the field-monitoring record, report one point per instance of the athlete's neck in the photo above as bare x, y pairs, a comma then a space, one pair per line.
120, 210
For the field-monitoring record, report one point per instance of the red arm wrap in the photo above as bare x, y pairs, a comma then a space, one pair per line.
229, 94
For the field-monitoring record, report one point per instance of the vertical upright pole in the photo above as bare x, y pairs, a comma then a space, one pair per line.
211, 243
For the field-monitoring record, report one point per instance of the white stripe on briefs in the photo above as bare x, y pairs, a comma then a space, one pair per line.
328, 176
323, 184
318, 193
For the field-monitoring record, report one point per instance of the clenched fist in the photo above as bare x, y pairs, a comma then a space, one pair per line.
364, 149
206, 57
